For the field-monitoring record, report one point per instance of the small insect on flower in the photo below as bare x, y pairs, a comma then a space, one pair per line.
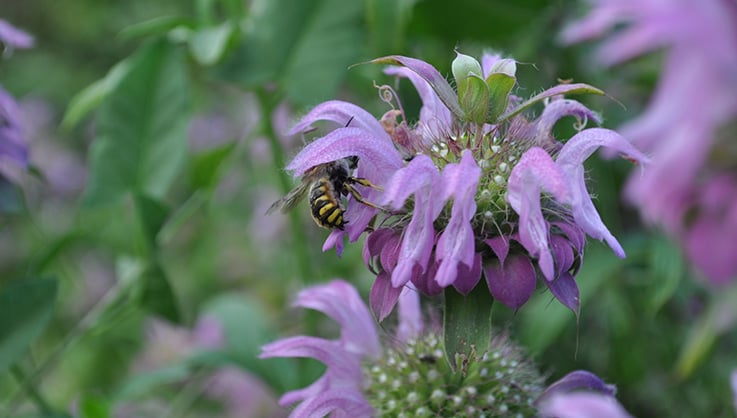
327, 184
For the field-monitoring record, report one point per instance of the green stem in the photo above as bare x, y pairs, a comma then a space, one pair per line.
268, 104
466, 324
37, 397
91, 318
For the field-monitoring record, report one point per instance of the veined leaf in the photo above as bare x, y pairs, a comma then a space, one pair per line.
141, 144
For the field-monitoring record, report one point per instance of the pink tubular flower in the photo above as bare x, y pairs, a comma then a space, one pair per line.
475, 188
686, 127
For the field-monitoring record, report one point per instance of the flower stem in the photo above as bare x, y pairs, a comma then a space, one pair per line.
37, 397
466, 324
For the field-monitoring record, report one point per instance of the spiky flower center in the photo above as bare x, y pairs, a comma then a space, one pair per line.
416, 381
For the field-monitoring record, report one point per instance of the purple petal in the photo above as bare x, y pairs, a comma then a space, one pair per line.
535, 172
512, 282
420, 177
500, 246
340, 362
563, 257
335, 239
487, 62
373, 245
733, 381
573, 233
557, 109
435, 118
570, 160
580, 380
389, 255
410, 315
444, 91
468, 278
383, 296
341, 302
564, 289
12, 143
581, 405
341, 112
349, 402
425, 282
13, 37
456, 244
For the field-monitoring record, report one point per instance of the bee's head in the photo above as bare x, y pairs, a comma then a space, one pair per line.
352, 162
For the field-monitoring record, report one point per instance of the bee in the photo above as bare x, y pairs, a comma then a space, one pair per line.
326, 184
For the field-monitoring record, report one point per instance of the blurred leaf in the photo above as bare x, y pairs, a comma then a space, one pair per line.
152, 215
246, 330
11, 198
183, 213
721, 316
93, 406
208, 44
543, 318
91, 97
156, 26
157, 295
307, 45
668, 269
142, 384
387, 21
25, 310
206, 166
142, 139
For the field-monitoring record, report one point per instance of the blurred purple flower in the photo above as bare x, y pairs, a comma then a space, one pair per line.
368, 377
463, 198
688, 125
14, 38
339, 389
733, 382
582, 405
13, 146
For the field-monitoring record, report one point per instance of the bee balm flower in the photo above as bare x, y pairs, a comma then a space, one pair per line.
475, 188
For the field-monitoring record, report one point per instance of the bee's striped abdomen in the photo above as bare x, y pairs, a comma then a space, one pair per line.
325, 206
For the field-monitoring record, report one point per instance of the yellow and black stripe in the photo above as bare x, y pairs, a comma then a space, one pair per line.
326, 209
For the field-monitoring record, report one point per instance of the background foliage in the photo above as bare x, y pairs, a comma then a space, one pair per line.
156, 138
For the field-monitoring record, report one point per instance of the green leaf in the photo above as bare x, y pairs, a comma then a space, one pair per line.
143, 384
720, 317
156, 26
207, 45
578, 88
157, 296
475, 100
25, 310
91, 96
152, 214
11, 197
246, 330
93, 406
668, 269
306, 46
206, 165
500, 81
142, 131
466, 324
387, 20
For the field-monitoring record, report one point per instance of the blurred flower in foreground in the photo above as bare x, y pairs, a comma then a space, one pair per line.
476, 187
408, 375
689, 127
734, 388
12, 143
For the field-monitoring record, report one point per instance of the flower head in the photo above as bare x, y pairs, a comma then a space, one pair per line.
407, 375
688, 125
475, 188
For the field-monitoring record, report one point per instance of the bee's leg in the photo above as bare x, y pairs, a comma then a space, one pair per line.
356, 195
363, 182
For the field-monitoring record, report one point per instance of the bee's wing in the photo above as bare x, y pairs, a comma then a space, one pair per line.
289, 201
